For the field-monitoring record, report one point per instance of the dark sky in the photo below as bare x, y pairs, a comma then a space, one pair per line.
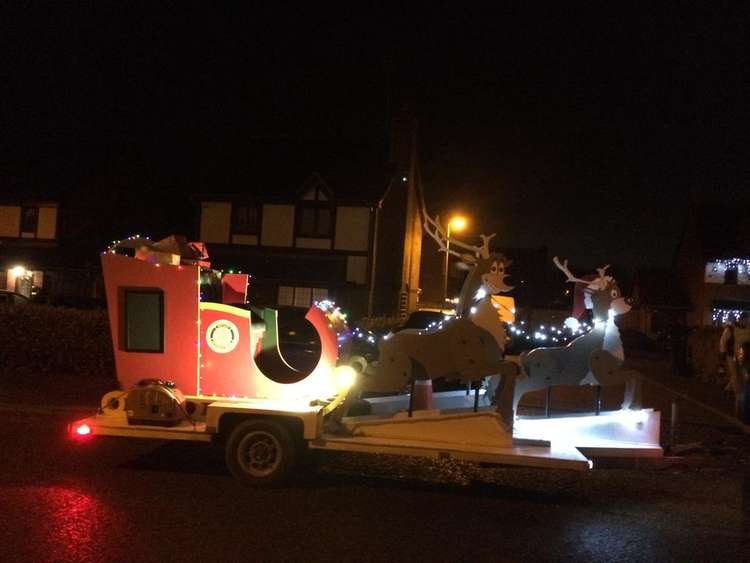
589, 132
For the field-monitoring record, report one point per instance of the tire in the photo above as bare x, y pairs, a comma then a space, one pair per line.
260, 453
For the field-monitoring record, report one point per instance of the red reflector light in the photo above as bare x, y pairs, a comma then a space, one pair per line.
83, 430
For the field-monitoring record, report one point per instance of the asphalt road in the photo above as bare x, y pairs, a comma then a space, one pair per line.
127, 500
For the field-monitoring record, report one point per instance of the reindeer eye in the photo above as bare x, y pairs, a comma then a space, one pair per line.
493, 268
614, 293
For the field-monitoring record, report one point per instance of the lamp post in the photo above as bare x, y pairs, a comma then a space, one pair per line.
456, 223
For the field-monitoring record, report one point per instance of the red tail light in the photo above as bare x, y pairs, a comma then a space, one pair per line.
82, 430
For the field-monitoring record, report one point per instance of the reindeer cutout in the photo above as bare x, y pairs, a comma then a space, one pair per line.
486, 269
467, 348
595, 358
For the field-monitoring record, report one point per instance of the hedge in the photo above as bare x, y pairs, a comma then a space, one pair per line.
40, 339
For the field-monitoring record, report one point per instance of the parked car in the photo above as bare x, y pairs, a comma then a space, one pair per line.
423, 319
12, 298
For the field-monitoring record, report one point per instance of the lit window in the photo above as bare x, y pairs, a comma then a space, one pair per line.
302, 296
286, 296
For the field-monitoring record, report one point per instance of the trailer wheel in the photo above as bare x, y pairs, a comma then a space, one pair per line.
260, 452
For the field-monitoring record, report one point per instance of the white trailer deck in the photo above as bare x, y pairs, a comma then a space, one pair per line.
454, 431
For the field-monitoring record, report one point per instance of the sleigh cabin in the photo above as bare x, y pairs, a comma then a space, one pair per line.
174, 318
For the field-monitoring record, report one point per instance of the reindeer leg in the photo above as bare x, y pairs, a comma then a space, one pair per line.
493, 382
633, 390
504, 399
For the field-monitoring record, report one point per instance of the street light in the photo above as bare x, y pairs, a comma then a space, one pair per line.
457, 224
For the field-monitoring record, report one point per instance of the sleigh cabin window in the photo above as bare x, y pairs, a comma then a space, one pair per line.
143, 320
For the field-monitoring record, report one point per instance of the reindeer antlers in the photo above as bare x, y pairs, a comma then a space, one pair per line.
437, 233
601, 281
564, 269
440, 236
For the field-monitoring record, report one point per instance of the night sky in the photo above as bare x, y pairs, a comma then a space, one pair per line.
589, 132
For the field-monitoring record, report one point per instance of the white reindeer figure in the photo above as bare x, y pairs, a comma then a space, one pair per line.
592, 359
468, 348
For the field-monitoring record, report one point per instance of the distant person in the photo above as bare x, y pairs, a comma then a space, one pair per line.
738, 335
726, 354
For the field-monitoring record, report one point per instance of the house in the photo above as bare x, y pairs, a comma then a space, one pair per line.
713, 262
36, 258
311, 221
659, 303
28, 235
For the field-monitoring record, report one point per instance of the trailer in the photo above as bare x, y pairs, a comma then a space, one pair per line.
196, 364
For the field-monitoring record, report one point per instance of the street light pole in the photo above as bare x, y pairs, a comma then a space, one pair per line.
456, 223
445, 269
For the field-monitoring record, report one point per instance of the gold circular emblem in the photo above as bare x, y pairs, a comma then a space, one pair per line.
222, 336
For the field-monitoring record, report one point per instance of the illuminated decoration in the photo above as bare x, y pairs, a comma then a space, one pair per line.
210, 349
718, 270
467, 349
594, 358
732, 263
222, 336
724, 316
127, 242
18, 271
337, 321
344, 377
83, 430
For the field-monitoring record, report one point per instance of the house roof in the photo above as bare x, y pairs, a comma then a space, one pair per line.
279, 169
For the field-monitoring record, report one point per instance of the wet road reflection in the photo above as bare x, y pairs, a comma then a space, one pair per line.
60, 523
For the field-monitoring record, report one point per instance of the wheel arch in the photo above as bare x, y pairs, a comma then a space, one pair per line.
228, 421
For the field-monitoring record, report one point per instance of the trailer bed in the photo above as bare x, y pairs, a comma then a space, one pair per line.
565, 457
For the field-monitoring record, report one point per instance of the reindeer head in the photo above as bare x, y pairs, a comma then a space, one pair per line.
489, 269
486, 269
602, 293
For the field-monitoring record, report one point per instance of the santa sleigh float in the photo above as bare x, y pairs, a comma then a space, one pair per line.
196, 362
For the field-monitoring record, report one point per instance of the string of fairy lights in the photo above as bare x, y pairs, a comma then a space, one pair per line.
518, 332
731, 263
115, 244
724, 316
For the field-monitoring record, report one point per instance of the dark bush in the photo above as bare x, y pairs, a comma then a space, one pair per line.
39, 339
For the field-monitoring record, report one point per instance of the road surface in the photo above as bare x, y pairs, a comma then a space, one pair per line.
127, 500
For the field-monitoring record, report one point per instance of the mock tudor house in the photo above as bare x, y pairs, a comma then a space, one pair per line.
338, 224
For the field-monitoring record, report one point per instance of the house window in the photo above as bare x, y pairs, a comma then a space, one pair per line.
315, 222
29, 221
245, 219
730, 271
319, 294
143, 329
286, 296
301, 296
